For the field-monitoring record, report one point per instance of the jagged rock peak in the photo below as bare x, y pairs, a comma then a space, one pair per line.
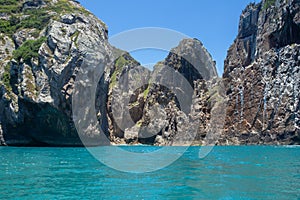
193, 51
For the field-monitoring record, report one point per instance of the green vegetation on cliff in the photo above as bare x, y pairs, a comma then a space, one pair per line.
9, 6
119, 64
6, 78
18, 16
28, 50
146, 91
32, 18
64, 6
37, 19
268, 3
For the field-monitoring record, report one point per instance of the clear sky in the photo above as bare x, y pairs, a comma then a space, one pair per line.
214, 23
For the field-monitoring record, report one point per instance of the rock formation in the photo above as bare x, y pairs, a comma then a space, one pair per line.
153, 105
262, 76
48, 49
43, 44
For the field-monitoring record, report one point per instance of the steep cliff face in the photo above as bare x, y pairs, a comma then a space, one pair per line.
43, 44
262, 76
46, 44
180, 114
125, 104
153, 105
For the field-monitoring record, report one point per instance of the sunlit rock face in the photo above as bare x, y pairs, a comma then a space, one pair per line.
262, 76
42, 52
46, 44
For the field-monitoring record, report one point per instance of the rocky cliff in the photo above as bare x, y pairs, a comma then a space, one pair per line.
155, 107
262, 76
43, 44
46, 46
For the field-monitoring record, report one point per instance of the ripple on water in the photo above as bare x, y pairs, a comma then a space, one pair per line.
255, 172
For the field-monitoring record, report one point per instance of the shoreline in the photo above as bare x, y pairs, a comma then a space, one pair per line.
145, 145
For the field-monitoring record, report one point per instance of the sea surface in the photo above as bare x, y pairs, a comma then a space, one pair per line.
245, 172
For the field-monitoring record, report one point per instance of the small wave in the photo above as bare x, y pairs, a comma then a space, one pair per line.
291, 146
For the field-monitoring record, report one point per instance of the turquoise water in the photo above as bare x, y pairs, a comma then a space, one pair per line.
253, 172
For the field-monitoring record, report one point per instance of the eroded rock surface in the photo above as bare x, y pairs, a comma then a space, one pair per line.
166, 106
36, 91
47, 45
262, 76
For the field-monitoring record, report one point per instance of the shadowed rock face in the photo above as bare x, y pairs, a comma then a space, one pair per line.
262, 76
192, 60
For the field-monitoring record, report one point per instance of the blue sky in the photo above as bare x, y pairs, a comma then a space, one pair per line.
214, 23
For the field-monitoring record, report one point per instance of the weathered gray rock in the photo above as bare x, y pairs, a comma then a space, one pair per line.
24, 34
193, 55
124, 104
6, 48
179, 103
131, 135
160, 105
36, 106
159, 141
2, 141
